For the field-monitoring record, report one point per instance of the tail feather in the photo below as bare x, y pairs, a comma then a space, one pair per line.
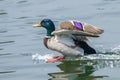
87, 49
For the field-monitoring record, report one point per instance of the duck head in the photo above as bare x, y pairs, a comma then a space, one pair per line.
48, 25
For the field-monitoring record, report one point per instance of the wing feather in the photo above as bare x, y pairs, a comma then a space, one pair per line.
87, 27
73, 32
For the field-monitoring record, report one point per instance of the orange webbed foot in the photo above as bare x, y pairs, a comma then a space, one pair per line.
55, 59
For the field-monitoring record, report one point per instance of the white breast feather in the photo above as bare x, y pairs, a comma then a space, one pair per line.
65, 39
62, 44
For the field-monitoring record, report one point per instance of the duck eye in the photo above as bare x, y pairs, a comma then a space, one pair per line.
43, 23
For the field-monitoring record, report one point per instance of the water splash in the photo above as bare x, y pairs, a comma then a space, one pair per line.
38, 57
114, 54
103, 56
116, 49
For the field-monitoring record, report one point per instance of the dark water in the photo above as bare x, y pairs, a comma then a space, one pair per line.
19, 40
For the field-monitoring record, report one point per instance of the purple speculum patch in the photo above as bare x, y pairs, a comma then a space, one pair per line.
78, 25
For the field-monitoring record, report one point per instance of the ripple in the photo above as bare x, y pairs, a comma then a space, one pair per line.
1, 49
103, 56
5, 54
30, 23
42, 16
25, 54
3, 13
112, 13
110, 0
3, 31
23, 17
6, 42
100, 8
23, 1
4, 72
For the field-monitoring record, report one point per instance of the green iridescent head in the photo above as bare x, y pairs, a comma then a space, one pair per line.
47, 24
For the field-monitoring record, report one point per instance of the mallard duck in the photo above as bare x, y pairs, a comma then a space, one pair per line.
71, 39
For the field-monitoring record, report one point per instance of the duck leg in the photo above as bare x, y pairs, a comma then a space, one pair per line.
55, 59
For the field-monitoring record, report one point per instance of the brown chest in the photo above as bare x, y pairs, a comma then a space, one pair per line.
45, 42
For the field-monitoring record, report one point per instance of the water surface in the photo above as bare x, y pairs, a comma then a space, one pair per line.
19, 40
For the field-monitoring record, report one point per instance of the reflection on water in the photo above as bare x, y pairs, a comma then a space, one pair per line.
82, 69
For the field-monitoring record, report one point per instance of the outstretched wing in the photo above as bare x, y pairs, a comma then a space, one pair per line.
73, 33
81, 26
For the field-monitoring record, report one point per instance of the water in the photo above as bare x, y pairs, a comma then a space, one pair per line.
19, 41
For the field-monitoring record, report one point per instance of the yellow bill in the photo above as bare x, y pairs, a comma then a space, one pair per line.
36, 25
